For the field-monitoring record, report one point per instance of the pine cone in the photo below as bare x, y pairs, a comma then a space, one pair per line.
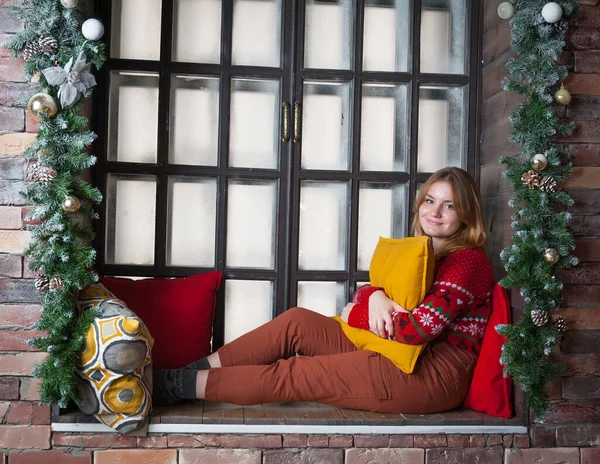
540, 318
42, 283
548, 184
561, 26
31, 50
560, 324
46, 174
33, 172
56, 283
531, 179
48, 44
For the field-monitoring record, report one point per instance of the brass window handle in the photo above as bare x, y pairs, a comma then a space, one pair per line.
296, 122
286, 122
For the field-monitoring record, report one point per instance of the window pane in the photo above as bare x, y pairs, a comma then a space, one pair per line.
384, 128
443, 33
248, 304
254, 139
197, 31
135, 29
327, 298
133, 117
191, 230
328, 37
382, 212
256, 32
130, 219
442, 140
323, 225
386, 37
326, 125
194, 120
251, 223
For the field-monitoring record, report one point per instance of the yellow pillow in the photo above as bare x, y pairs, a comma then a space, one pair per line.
404, 268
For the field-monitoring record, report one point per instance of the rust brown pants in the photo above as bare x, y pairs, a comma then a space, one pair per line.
261, 367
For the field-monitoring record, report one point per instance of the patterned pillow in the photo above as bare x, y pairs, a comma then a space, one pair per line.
115, 365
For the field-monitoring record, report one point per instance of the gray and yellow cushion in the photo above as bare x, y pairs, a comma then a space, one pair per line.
115, 365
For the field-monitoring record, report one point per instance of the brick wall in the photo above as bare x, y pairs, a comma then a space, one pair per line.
570, 433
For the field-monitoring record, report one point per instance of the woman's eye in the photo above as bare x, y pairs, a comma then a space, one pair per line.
429, 201
449, 206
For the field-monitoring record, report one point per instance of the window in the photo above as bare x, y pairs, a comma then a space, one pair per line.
276, 140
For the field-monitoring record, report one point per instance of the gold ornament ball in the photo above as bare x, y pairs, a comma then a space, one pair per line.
41, 103
69, 3
506, 10
551, 255
71, 204
562, 96
539, 162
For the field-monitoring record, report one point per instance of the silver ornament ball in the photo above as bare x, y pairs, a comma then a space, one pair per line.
539, 162
552, 12
506, 10
92, 29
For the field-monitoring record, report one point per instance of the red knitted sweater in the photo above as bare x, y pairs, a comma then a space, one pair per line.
455, 309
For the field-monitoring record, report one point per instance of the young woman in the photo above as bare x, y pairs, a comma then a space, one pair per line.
262, 367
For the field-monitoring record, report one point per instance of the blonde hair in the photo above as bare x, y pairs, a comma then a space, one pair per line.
467, 203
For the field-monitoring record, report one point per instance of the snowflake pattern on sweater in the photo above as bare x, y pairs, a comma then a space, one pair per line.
456, 308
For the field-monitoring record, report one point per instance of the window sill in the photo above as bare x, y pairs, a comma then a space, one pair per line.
298, 418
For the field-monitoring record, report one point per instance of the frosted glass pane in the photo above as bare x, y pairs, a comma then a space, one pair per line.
443, 37
248, 305
254, 139
251, 223
328, 39
384, 133
191, 230
256, 32
194, 120
133, 117
323, 225
386, 36
130, 219
197, 31
135, 29
327, 298
326, 126
441, 128
382, 212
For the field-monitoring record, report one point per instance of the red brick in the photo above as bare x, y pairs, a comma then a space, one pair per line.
401, 441
464, 455
587, 62
19, 315
583, 84
587, 249
27, 272
578, 435
340, 441
295, 441
12, 70
30, 389
545, 455
219, 456
521, 441
371, 441
192, 441
12, 119
251, 441
19, 413
430, 441
41, 415
307, 456
543, 437
590, 455
9, 388
584, 131
477, 441
507, 441
588, 16
4, 405
493, 440
554, 389
580, 364
317, 441
101, 440
585, 154
583, 38
24, 436
581, 295
387, 455
458, 441
16, 340
50, 457
15, 94
152, 441
11, 265
581, 341
138, 456
19, 364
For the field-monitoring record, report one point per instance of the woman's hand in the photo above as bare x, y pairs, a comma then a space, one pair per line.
381, 309
346, 312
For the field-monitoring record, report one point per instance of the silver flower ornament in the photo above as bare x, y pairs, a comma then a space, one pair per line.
74, 80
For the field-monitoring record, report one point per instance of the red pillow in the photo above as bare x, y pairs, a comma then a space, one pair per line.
178, 312
490, 391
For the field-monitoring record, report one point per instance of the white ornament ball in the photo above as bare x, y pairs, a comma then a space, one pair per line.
552, 12
69, 3
92, 29
506, 10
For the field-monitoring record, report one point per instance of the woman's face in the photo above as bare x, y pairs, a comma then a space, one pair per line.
437, 215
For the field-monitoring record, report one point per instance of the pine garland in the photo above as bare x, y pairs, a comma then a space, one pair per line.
542, 242
61, 238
